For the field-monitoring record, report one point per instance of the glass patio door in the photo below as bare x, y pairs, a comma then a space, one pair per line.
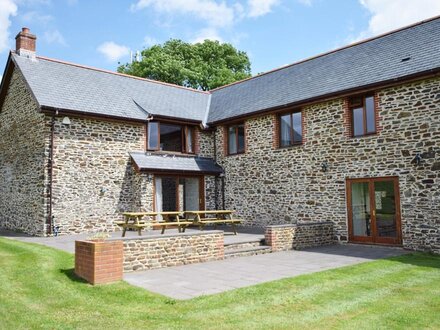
374, 210
179, 193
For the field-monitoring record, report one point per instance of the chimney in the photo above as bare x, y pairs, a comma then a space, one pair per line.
25, 43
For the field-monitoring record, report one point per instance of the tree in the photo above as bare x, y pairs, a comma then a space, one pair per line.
204, 66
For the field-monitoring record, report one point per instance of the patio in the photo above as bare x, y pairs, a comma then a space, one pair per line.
189, 281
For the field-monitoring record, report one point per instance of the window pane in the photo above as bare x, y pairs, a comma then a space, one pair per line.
369, 106
171, 137
358, 121
285, 130
361, 215
153, 134
189, 139
241, 142
297, 127
232, 140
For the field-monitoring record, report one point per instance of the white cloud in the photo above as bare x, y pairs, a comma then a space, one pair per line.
207, 33
215, 13
260, 7
150, 41
8, 8
113, 51
305, 2
35, 17
392, 14
54, 36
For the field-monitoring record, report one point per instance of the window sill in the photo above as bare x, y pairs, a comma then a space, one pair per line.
170, 153
291, 146
364, 135
237, 154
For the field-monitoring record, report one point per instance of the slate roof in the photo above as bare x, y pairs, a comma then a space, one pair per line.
67, 86
174, 164
374, 61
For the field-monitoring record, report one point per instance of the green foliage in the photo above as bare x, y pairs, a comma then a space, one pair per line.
38, 290
204, 66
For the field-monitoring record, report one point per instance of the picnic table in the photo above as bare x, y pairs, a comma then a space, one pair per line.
171, 218
135, 220
215, 217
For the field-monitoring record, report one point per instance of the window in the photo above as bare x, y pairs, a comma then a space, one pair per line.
290, 129
189, 140
170, 137
363, 114
153, 136
236, 141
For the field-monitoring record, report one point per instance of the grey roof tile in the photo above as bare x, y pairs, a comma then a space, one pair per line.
367, 63
179, 164
65, 86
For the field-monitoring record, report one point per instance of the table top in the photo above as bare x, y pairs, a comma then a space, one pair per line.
171, 212
139, 214
211, 212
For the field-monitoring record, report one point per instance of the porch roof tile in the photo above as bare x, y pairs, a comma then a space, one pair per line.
154, 163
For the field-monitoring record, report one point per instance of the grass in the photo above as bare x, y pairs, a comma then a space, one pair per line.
39, 290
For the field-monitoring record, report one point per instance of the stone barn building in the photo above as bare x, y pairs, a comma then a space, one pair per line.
351, 136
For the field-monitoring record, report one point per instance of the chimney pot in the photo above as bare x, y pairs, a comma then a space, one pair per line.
25, 43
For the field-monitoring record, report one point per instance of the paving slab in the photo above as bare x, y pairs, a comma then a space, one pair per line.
219, 276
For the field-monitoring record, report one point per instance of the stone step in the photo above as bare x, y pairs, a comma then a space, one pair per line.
243, 245
249, 251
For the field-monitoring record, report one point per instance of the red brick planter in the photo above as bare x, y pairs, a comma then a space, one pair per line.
99, 262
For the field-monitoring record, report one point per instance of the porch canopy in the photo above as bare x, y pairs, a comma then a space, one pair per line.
164, 163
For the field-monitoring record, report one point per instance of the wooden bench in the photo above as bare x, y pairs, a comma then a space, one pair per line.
133, 220
181, 225
221, 217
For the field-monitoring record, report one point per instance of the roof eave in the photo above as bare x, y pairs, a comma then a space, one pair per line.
174, 171
63, 111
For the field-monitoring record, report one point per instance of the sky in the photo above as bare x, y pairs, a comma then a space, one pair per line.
274, 33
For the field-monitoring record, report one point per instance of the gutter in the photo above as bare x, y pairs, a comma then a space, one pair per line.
49, 220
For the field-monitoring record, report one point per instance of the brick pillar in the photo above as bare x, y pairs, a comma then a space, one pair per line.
280, 237
99, 262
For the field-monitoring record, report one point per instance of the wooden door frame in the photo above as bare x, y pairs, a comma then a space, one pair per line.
201, 178
373, 239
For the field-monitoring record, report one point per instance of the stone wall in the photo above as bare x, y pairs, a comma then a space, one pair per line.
23, 166
93, 177
299, 236
172, 250
268, 185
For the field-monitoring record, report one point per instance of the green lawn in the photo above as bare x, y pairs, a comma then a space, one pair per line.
38, 290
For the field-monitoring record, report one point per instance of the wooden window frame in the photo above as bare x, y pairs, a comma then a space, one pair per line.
352, 106
158, 137
236, 138
292, 142
184, 131
185, 140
